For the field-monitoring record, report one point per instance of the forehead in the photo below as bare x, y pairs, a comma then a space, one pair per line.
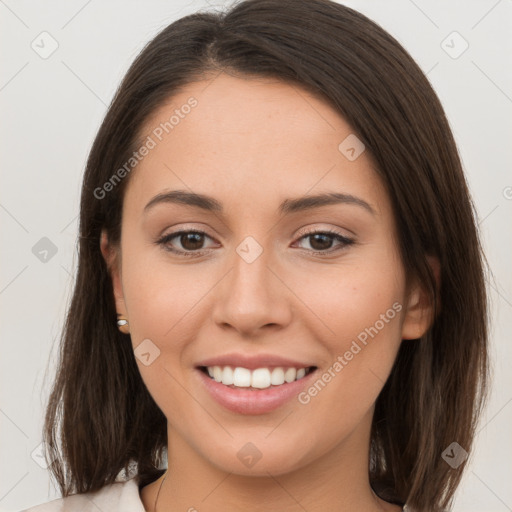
251, 141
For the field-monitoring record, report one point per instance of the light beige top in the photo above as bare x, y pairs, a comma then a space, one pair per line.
120, 496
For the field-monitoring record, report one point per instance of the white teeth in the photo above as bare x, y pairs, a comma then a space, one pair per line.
242, 377
277, 377
290, 374
217, 373
227, 376
260, 378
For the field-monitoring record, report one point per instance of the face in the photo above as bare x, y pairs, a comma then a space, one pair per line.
321, 286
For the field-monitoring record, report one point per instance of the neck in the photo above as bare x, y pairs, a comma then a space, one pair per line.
336, 481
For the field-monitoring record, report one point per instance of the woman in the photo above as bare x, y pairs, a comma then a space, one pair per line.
280, 291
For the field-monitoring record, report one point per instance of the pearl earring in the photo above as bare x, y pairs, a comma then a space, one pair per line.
122, 324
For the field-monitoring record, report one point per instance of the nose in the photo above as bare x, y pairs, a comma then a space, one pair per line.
253, 297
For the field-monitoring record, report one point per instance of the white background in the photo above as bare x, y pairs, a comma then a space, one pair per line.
51, 109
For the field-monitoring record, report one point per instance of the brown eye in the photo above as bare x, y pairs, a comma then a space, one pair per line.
191, 242
321, 242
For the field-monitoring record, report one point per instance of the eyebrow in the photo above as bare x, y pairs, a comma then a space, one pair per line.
286, 207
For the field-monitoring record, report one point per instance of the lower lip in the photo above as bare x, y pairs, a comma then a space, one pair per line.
257, 401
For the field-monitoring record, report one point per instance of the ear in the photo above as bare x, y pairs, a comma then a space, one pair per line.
419, 314
110, 256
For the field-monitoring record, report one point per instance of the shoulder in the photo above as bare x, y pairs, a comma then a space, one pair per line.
120, 496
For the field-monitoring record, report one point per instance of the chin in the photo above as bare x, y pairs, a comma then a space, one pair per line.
258, 458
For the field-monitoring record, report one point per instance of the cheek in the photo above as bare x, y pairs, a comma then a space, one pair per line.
161, 296
161, 302
357, 308
362, 354
348, 298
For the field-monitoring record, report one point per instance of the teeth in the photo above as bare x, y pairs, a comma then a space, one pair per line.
241, 377
260, 378
226, 375
277, 376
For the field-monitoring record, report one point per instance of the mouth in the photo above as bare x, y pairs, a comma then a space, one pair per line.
257, 379
260, 390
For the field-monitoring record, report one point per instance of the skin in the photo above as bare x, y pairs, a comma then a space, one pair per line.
251, 143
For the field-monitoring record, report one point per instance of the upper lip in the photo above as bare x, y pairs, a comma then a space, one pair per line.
253, 362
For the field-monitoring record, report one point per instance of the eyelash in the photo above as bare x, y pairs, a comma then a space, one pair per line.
163, 241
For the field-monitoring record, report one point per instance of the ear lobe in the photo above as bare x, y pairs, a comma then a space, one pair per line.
419, 313
111, 259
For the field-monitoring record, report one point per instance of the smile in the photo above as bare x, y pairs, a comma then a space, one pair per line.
246, 399
259, 378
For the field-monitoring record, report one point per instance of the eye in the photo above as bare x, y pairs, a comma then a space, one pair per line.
192, 242
321, 241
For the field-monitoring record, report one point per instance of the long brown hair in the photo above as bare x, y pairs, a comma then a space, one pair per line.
101, 414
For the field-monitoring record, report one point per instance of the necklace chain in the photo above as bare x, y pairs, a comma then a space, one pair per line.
160, 488
158, 493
